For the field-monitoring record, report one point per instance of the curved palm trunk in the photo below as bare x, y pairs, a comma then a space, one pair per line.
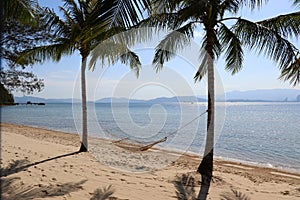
206, 166
84, 142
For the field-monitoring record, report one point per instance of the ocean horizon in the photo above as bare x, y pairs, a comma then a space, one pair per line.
262, 133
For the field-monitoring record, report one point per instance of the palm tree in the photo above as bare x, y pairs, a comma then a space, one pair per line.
86, 24
182, 17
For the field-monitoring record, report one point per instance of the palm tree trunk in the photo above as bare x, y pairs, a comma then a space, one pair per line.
84, 142
206, 166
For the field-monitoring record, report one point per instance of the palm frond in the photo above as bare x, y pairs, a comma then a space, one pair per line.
132, 36
74, 10
162, 21
202, 69
130, 58
266, 41
43, 53
174, 14
165, 6
292, 73
174, 41
53, 23
231, 6
22, 10
68, 19
233, 52
109, 52
127, 12
193, 10
296, 3
287, 25
254, 3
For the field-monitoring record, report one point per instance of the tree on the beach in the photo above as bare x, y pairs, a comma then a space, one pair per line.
6, 98
20, 29
183, 17
85, 25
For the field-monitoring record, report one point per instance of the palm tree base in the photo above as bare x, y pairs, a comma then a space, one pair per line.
206, 165
83, 148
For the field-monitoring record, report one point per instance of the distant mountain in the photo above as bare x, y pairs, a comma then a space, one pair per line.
24, 99
156, 100
118, 100
264, 95
183, 99
233, 96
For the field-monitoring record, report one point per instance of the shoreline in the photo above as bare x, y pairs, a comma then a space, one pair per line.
40, 163
75, 138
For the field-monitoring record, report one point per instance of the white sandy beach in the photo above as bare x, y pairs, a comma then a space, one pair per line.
41, 164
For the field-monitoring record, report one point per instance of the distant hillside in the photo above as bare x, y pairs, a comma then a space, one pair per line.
234, 96
117, 100
156, 100
24, 99
264, 95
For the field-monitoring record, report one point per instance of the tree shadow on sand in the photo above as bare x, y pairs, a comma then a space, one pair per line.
14, 189
185, 189
20, 165
234, 195
103, 194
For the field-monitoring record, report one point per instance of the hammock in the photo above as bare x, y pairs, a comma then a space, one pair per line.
136, 147
140, 147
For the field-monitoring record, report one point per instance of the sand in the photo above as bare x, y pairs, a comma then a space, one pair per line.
43, 164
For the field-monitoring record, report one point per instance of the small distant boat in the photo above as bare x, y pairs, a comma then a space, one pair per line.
41, 104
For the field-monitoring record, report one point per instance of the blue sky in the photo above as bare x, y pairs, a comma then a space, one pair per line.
61, 79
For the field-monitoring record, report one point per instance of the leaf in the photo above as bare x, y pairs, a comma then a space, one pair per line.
233, 49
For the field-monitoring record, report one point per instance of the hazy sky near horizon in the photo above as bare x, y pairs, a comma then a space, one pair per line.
61, 79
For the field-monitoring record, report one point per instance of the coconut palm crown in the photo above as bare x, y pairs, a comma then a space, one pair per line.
85, 25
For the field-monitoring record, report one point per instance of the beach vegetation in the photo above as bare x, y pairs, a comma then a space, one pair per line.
6, 98
20, 29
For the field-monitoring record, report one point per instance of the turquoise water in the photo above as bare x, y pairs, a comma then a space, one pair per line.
260, 133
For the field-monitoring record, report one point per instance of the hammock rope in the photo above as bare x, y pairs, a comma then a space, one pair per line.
142, 147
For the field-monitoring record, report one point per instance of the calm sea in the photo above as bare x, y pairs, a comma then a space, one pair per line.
266, 134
